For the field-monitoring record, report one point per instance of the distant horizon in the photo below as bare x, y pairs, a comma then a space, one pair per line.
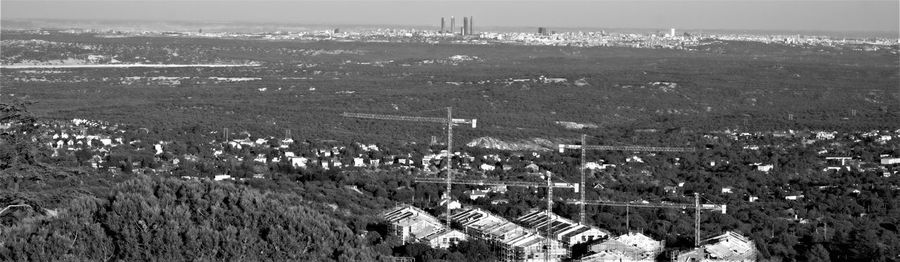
753, 15
120, 24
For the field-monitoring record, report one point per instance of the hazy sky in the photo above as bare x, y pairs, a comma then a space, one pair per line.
820, 15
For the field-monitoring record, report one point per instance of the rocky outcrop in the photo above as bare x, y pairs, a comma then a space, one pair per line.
535, 144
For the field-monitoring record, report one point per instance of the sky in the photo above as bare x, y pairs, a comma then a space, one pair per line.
782, 15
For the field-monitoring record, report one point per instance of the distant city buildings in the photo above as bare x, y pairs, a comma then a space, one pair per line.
467, 28
543, 31
545, 37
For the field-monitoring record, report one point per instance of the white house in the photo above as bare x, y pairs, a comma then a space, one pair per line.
299, 162
823, 135
765, 168
890, 160
261, 158
592, 165
793, 198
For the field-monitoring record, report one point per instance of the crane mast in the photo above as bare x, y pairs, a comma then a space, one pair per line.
584, 147
581, 212
449, 163
450, 121
547, 241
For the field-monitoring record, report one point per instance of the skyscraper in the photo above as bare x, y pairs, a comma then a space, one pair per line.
442, 24
465, 29
471, 25
452, 23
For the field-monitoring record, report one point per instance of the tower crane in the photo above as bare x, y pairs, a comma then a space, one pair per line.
584, 147
450, 121
549, 185
696, 206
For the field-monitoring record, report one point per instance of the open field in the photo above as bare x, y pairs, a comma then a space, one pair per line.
516, 92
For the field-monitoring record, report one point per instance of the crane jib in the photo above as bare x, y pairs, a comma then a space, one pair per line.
473, 122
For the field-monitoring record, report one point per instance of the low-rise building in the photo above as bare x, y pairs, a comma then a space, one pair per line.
628, 247
513, 242
565, 230
413, 224
765, 168
890, 160
730, 246
299, 162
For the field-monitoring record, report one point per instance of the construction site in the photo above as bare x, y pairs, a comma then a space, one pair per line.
541, 235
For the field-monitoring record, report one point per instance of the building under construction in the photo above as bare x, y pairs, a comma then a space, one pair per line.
562, 229
513, 242
628, 247
730, 246
413, 224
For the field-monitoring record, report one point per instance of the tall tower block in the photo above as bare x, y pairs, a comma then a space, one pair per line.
452, 23
471, 25
465, 29
442, 24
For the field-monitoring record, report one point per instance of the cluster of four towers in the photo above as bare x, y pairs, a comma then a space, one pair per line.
466, 29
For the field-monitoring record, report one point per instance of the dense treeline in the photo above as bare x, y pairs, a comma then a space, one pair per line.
69, 218
168, 219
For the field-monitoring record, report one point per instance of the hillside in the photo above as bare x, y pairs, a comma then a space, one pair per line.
168, 219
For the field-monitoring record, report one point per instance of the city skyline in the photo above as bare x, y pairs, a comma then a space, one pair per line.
870, 16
